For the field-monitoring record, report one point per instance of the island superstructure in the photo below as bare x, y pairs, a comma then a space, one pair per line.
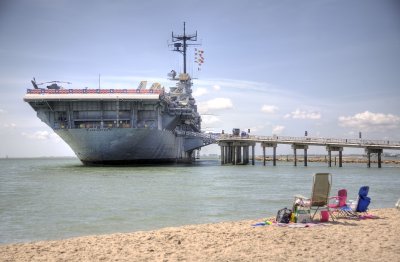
125, 126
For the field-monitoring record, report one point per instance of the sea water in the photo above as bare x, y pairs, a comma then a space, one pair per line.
57, 198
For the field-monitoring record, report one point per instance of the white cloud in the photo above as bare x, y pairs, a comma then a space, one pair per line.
255, 129
12, 125
277, 130
215, 104
269, 109
217, 87
368, 120
299, 114
199, 92
209, 119
2, 111
42, 135
238, 84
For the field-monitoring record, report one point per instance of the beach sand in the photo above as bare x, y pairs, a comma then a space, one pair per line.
343, 240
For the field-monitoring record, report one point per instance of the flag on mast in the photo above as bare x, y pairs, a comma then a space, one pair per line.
199, 58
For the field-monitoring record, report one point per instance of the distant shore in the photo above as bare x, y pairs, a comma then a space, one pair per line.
355, 159
346, 239
324, 159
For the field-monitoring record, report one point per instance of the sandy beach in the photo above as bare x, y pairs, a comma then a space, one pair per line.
346, 239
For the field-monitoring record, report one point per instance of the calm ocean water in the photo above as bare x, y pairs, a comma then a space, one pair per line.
56, 198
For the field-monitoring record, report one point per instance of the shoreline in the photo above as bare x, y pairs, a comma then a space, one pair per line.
353, 240
323, 159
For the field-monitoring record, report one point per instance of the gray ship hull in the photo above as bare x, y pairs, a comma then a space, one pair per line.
128, 146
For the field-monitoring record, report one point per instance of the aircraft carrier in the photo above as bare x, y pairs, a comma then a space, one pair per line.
125, 126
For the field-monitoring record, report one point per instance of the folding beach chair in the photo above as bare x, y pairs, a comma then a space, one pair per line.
363, 200
322, 183
340, 207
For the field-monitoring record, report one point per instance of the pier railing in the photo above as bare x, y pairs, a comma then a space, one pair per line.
317, 141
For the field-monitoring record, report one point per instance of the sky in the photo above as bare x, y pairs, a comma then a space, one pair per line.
328, 67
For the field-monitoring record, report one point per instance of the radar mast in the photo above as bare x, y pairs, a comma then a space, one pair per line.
180, 43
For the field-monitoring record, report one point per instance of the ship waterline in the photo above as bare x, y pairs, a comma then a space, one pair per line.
128, 145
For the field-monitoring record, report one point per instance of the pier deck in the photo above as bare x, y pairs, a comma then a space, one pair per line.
232, 146
235, 149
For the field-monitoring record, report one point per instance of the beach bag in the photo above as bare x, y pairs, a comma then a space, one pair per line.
283, 215
303, 216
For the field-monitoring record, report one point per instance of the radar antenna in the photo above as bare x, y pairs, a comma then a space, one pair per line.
180, 43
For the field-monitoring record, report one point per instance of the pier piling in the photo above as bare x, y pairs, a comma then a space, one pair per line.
273, 145
237, 152
300, 146
370, 151
334, 148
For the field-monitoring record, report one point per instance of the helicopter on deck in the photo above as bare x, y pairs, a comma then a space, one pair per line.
53, 84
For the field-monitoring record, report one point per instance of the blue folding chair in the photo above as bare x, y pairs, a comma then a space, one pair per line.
363, 200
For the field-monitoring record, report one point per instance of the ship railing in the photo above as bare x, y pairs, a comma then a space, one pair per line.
181, 111
209, 136
93, 91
